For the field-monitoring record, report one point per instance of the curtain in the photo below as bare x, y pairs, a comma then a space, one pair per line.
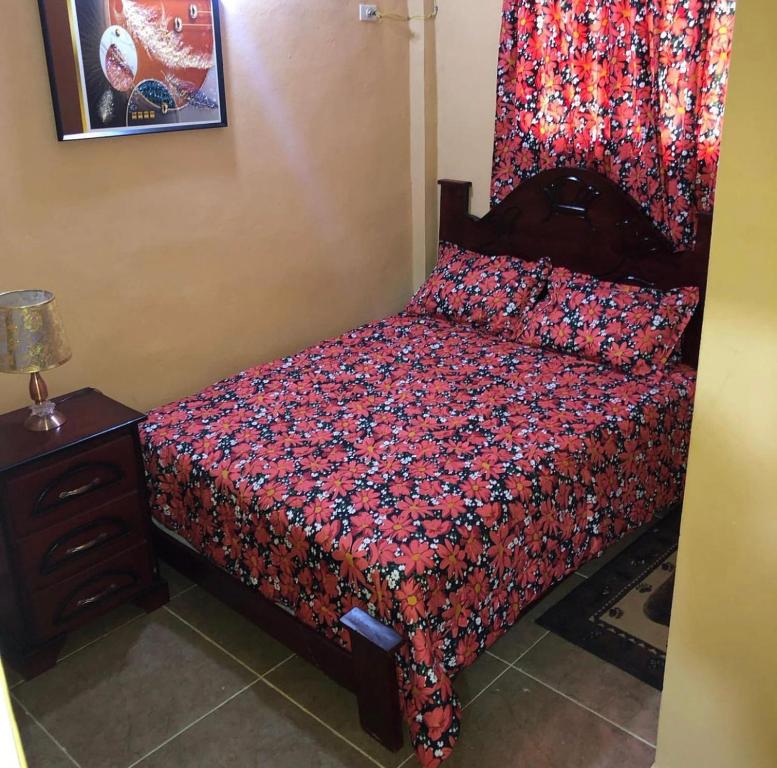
633, 89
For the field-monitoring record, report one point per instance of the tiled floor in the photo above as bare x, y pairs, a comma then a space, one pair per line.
194, 684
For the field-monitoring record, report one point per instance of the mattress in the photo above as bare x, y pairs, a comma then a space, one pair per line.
437, 477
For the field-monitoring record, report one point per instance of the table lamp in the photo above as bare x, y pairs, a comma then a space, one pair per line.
32, 341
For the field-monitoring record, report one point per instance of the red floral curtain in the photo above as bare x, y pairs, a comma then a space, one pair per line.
631, 88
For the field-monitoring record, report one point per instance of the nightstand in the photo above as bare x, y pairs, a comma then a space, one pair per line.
75, 536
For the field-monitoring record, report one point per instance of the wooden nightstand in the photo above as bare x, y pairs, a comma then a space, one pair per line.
74, 526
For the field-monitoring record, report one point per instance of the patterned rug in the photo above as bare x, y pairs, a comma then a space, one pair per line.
621, 613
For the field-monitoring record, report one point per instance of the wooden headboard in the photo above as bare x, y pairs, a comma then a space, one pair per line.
581, 220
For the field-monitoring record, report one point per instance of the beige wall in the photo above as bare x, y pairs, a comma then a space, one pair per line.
720, 698
423, 137
180, 258
467, 53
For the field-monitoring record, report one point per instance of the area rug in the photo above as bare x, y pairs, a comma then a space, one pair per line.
621, 613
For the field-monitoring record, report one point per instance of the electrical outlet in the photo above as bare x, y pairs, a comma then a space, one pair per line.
368, 12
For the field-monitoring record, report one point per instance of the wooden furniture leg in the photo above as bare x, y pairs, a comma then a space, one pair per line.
373, 648
157, 595
34, 661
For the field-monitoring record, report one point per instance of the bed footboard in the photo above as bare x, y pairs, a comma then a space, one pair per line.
373, 650
369, 670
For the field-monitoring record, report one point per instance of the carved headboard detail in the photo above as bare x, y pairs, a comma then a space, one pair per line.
581, 220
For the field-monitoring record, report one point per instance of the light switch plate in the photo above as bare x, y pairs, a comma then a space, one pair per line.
368, 12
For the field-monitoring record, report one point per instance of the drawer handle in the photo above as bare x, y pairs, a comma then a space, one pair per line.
85, 602
50, 498
73, 605
76, 492
72, 544
87, 545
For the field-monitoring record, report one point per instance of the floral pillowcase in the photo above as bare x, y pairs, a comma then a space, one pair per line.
629, 327
489, 292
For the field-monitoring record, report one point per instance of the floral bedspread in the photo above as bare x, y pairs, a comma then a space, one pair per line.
438, 477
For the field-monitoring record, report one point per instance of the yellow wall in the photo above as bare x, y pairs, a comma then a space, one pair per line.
720, 699
11, 751
180, 258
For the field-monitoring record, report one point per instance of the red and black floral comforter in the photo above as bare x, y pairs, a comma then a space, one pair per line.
436, 476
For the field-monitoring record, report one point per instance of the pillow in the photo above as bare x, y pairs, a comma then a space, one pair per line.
629, 327
488, 292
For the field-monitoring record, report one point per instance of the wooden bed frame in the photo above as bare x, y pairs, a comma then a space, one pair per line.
578, 219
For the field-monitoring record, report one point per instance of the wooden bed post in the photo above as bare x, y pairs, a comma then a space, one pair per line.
373, 650
454, 208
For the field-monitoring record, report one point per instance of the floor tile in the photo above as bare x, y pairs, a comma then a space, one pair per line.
526, 631
518, 722
39, 750
240, 637
114, 701
335, 705
472, 680
257, 729
176, 581
98, 627
595, 683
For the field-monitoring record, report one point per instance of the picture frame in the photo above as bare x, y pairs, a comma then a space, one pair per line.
124, 67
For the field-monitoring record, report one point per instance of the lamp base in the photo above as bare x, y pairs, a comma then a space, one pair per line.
44, 417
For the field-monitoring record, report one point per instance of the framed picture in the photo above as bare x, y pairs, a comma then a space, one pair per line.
121, 67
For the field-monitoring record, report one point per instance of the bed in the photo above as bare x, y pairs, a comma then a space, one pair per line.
389, 502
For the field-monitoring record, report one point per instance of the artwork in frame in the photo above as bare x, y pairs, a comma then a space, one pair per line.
120, 67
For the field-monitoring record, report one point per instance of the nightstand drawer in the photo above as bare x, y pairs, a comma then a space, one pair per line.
61, 488
62, 550
94, 591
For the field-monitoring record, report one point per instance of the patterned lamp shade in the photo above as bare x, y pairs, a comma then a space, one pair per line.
32, 339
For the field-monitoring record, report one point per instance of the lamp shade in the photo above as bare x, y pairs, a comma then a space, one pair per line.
32, 339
